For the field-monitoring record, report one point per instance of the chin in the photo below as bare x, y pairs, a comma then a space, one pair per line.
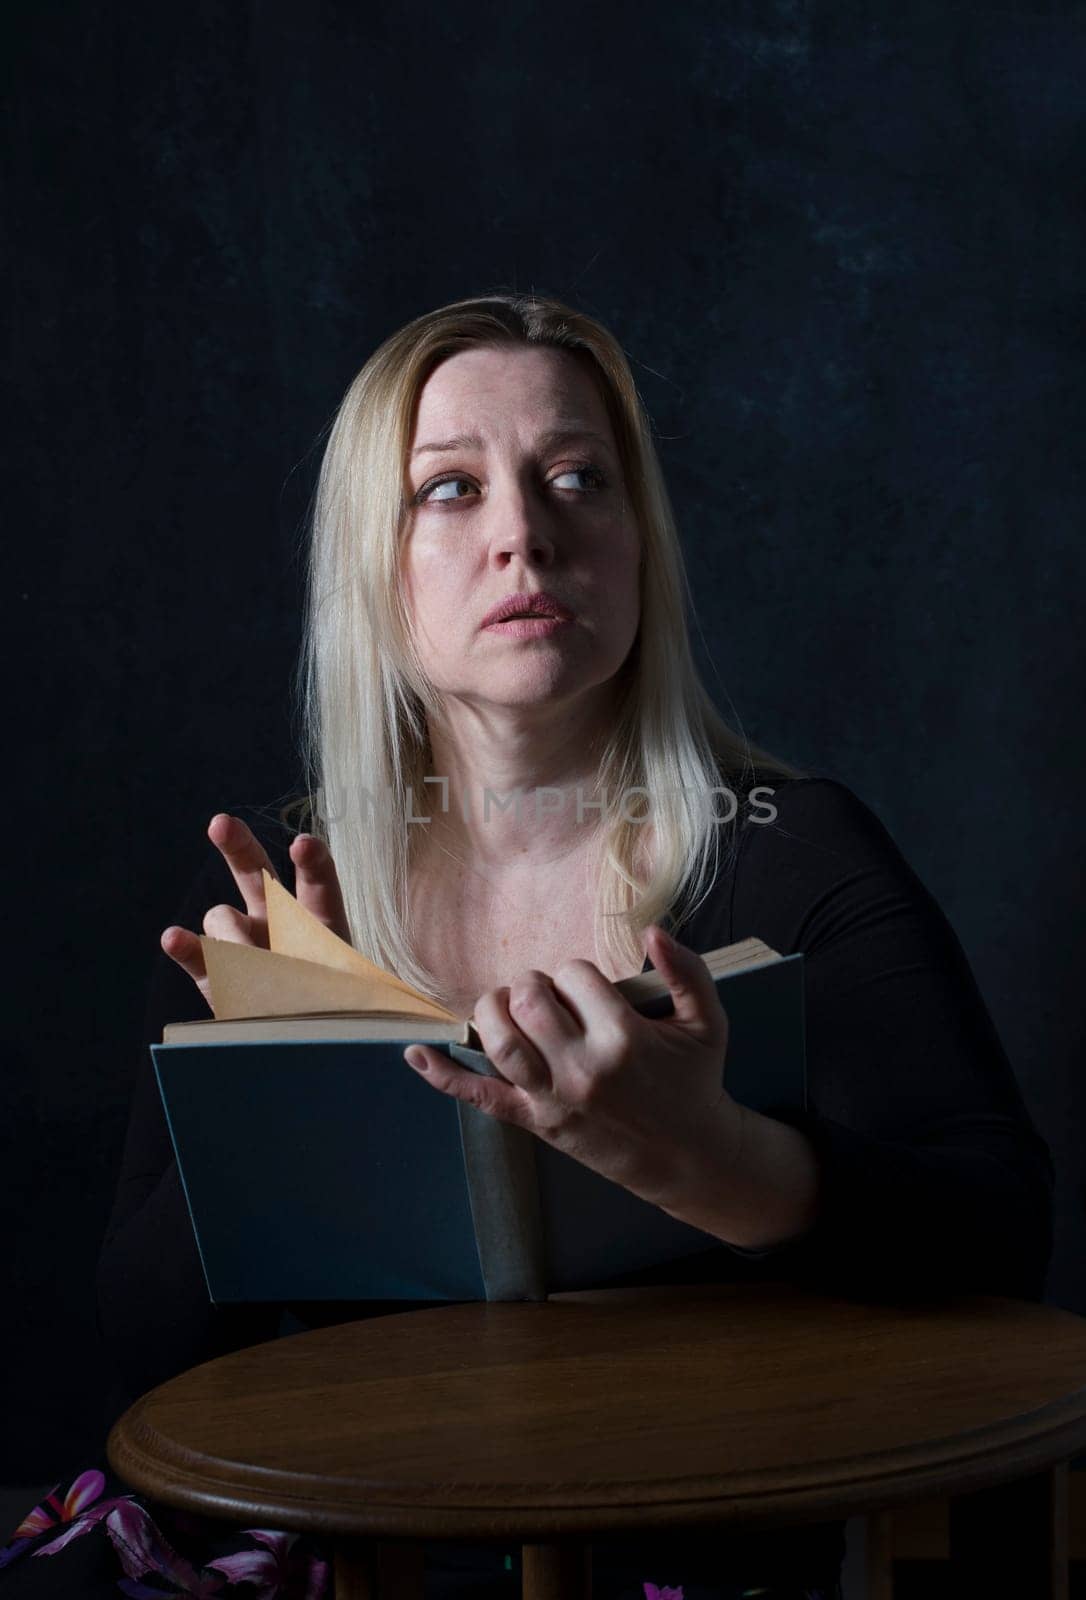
531, 677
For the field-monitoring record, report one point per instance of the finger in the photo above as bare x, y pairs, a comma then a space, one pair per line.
246, 857
697, 1007
590, 997
507, 1048
317, 885
185, 948
227, 922
540, 1012
492, 1095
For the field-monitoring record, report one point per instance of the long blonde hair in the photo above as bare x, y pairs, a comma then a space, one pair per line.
363, 701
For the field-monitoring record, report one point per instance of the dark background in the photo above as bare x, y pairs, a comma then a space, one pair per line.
843, 247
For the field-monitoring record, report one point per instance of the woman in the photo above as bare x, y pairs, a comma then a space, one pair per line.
492, 462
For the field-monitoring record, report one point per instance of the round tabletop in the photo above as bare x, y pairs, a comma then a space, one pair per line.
607, 1410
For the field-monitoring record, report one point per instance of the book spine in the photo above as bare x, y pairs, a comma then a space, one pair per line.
503, 1190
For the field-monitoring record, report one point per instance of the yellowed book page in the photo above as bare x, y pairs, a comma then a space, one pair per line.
246, 981
294, 931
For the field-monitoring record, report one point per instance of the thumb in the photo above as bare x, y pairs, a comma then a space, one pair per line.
697, 1006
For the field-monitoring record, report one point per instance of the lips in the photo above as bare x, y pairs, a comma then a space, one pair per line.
527, 605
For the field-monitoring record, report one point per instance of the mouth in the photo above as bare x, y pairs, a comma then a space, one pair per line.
527, 608
528, 627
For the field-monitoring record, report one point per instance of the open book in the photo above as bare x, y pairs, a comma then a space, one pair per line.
317, 1165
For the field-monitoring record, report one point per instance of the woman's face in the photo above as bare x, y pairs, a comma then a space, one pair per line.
511, 508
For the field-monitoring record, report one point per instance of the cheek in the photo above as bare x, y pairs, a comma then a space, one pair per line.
624, 572
406, 577
418, 576
430, 587
418, 592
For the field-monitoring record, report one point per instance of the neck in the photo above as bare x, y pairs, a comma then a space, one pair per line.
521, 792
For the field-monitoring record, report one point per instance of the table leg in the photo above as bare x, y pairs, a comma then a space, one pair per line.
354, 1561
1012, 1540
879, 1555
368, 1570
555, 1572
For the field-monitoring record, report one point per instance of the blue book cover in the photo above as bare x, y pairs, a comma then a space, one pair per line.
326, 1169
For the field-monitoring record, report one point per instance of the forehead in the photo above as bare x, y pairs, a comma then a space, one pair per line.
501, 390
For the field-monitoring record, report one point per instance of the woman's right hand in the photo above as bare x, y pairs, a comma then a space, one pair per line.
316, 888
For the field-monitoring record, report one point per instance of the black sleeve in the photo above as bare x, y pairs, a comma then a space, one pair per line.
154, 1314
934, 1178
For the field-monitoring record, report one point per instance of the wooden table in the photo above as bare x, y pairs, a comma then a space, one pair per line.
608, 1411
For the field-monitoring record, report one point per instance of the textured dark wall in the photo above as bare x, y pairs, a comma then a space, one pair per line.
843, 246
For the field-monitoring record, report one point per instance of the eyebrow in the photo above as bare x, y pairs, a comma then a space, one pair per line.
568, 434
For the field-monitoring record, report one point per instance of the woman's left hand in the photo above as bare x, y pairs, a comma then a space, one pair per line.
633, 1098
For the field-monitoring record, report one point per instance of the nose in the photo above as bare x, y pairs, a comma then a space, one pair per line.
520, 527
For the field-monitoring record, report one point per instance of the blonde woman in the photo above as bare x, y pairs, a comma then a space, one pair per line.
518, 790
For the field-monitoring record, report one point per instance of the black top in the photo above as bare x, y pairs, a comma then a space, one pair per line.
934, 1176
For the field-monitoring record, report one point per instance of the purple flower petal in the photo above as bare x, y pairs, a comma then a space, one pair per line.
249, 1566
80, 1526
75, 1531
316, 1579
270, 1566
275, 1566
274, 1538
45, 1515
142, 1548
11, 1552
52, 1511
83, 1492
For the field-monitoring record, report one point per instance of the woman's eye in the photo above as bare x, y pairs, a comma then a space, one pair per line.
592, 473
429, 491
